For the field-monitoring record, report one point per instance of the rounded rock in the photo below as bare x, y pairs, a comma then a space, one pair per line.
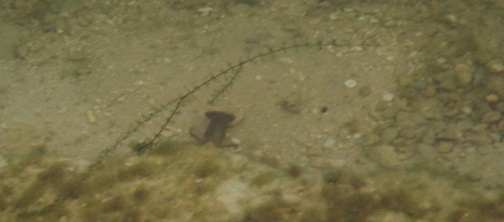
492, 98
464, 78
388, 97
481, 140
445, 147
389, 135
491, 117
384, 155
496, 66
426, 150
351, 83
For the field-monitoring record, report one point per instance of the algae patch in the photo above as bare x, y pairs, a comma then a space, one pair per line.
187, 183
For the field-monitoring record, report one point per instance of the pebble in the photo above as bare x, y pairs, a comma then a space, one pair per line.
481, 140
467, 109
491, 117
479, 127
388, 97
333, 16
357, 48
451, 132
329, 143
351, 83
445, 147
451, 19
384, 155
495, 136
372, 139
462, 68
464, 125
429, 137
408, 132
474, 176
430, 91
390, 134
286, 61
426, 150
492, 98
390, 24
496, 66
205, 11
406, 149
91, 116
464, 78
405, 80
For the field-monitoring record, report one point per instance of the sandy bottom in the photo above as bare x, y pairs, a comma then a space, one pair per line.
386, 106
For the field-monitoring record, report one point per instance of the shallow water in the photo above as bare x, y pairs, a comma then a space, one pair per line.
424, 119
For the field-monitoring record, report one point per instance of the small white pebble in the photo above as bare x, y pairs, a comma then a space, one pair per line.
286, 61
205, 10
467, 109
351, 83
91, 116
348, 10
388, 97
329, 143
451, 18
357, 48
333, 16
497, 67
167, 60
235, 141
